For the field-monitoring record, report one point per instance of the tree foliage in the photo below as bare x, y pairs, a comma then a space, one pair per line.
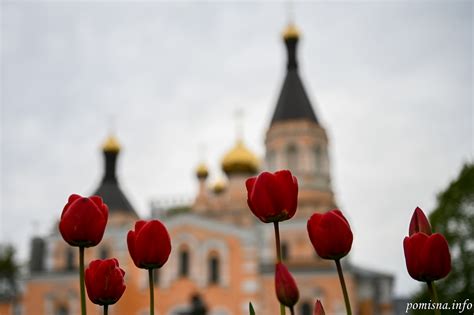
454, 218
8, 268
8, 273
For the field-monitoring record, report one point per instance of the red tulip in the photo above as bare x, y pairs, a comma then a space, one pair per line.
104, 281
83, 221
330, 234
149, 245
427, 257
318, 308
419, 223
273, 197
285, 286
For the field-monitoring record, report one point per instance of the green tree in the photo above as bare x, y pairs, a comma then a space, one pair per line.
454, 218
7, 262
8, 273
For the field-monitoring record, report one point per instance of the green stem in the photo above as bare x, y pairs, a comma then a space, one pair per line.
106, 309
152, 291
81, 279
277, 241
434, 295
292, 310
278, 254
343, 286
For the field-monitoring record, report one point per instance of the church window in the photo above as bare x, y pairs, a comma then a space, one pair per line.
184, 263
61, 310
271, 160
318, 159
69, 259
156, 276
213, 269
292, 157
284, 251
104, 252
305, 308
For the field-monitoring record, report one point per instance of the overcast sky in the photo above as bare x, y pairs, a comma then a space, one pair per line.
390, 81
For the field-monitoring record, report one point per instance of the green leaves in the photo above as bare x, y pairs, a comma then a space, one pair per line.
251, 310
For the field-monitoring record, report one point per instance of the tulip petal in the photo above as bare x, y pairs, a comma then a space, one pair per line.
249, 183
82, 222
412, 245
139, 225
435, 257
261, 197
131, 236
104, 281
419, 223
289, 189
272, 197
152, 245
330, 234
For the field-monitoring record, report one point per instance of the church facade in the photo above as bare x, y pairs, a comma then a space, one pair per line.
222, 256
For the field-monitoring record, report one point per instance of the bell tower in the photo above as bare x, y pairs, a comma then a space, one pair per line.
296, 140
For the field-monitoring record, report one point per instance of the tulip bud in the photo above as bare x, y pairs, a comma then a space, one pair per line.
427, 257
149, 244
318, 308
273, 197
330, 234
104, 281
83, 221
285, 286
419, 223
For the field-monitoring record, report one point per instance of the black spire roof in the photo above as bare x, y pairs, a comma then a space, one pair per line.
293, 103
109, 188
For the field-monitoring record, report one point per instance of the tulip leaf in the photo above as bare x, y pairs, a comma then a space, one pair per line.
251, 310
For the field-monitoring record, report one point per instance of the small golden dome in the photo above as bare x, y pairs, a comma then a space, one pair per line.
111, 145
240, 160
219, 186
202, 171
291, 32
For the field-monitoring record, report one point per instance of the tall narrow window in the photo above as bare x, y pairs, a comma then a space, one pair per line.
284, 251
156, 276
305, 308
183, 263
292, 158
61, 310
271, 160
214, 269
318, 159
69, 259
104, 252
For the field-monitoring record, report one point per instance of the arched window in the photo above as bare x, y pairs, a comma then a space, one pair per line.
318, 158
284, 250
305, 308
271, 160
183, 262
292, 157
104, 252
214, 273
69, 265
61, 310
156, 276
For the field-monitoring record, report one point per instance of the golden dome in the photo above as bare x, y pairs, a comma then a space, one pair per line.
202, 171
291, 32
219, 186
111, 145
240, 160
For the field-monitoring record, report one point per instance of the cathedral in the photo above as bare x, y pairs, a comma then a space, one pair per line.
222, 256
